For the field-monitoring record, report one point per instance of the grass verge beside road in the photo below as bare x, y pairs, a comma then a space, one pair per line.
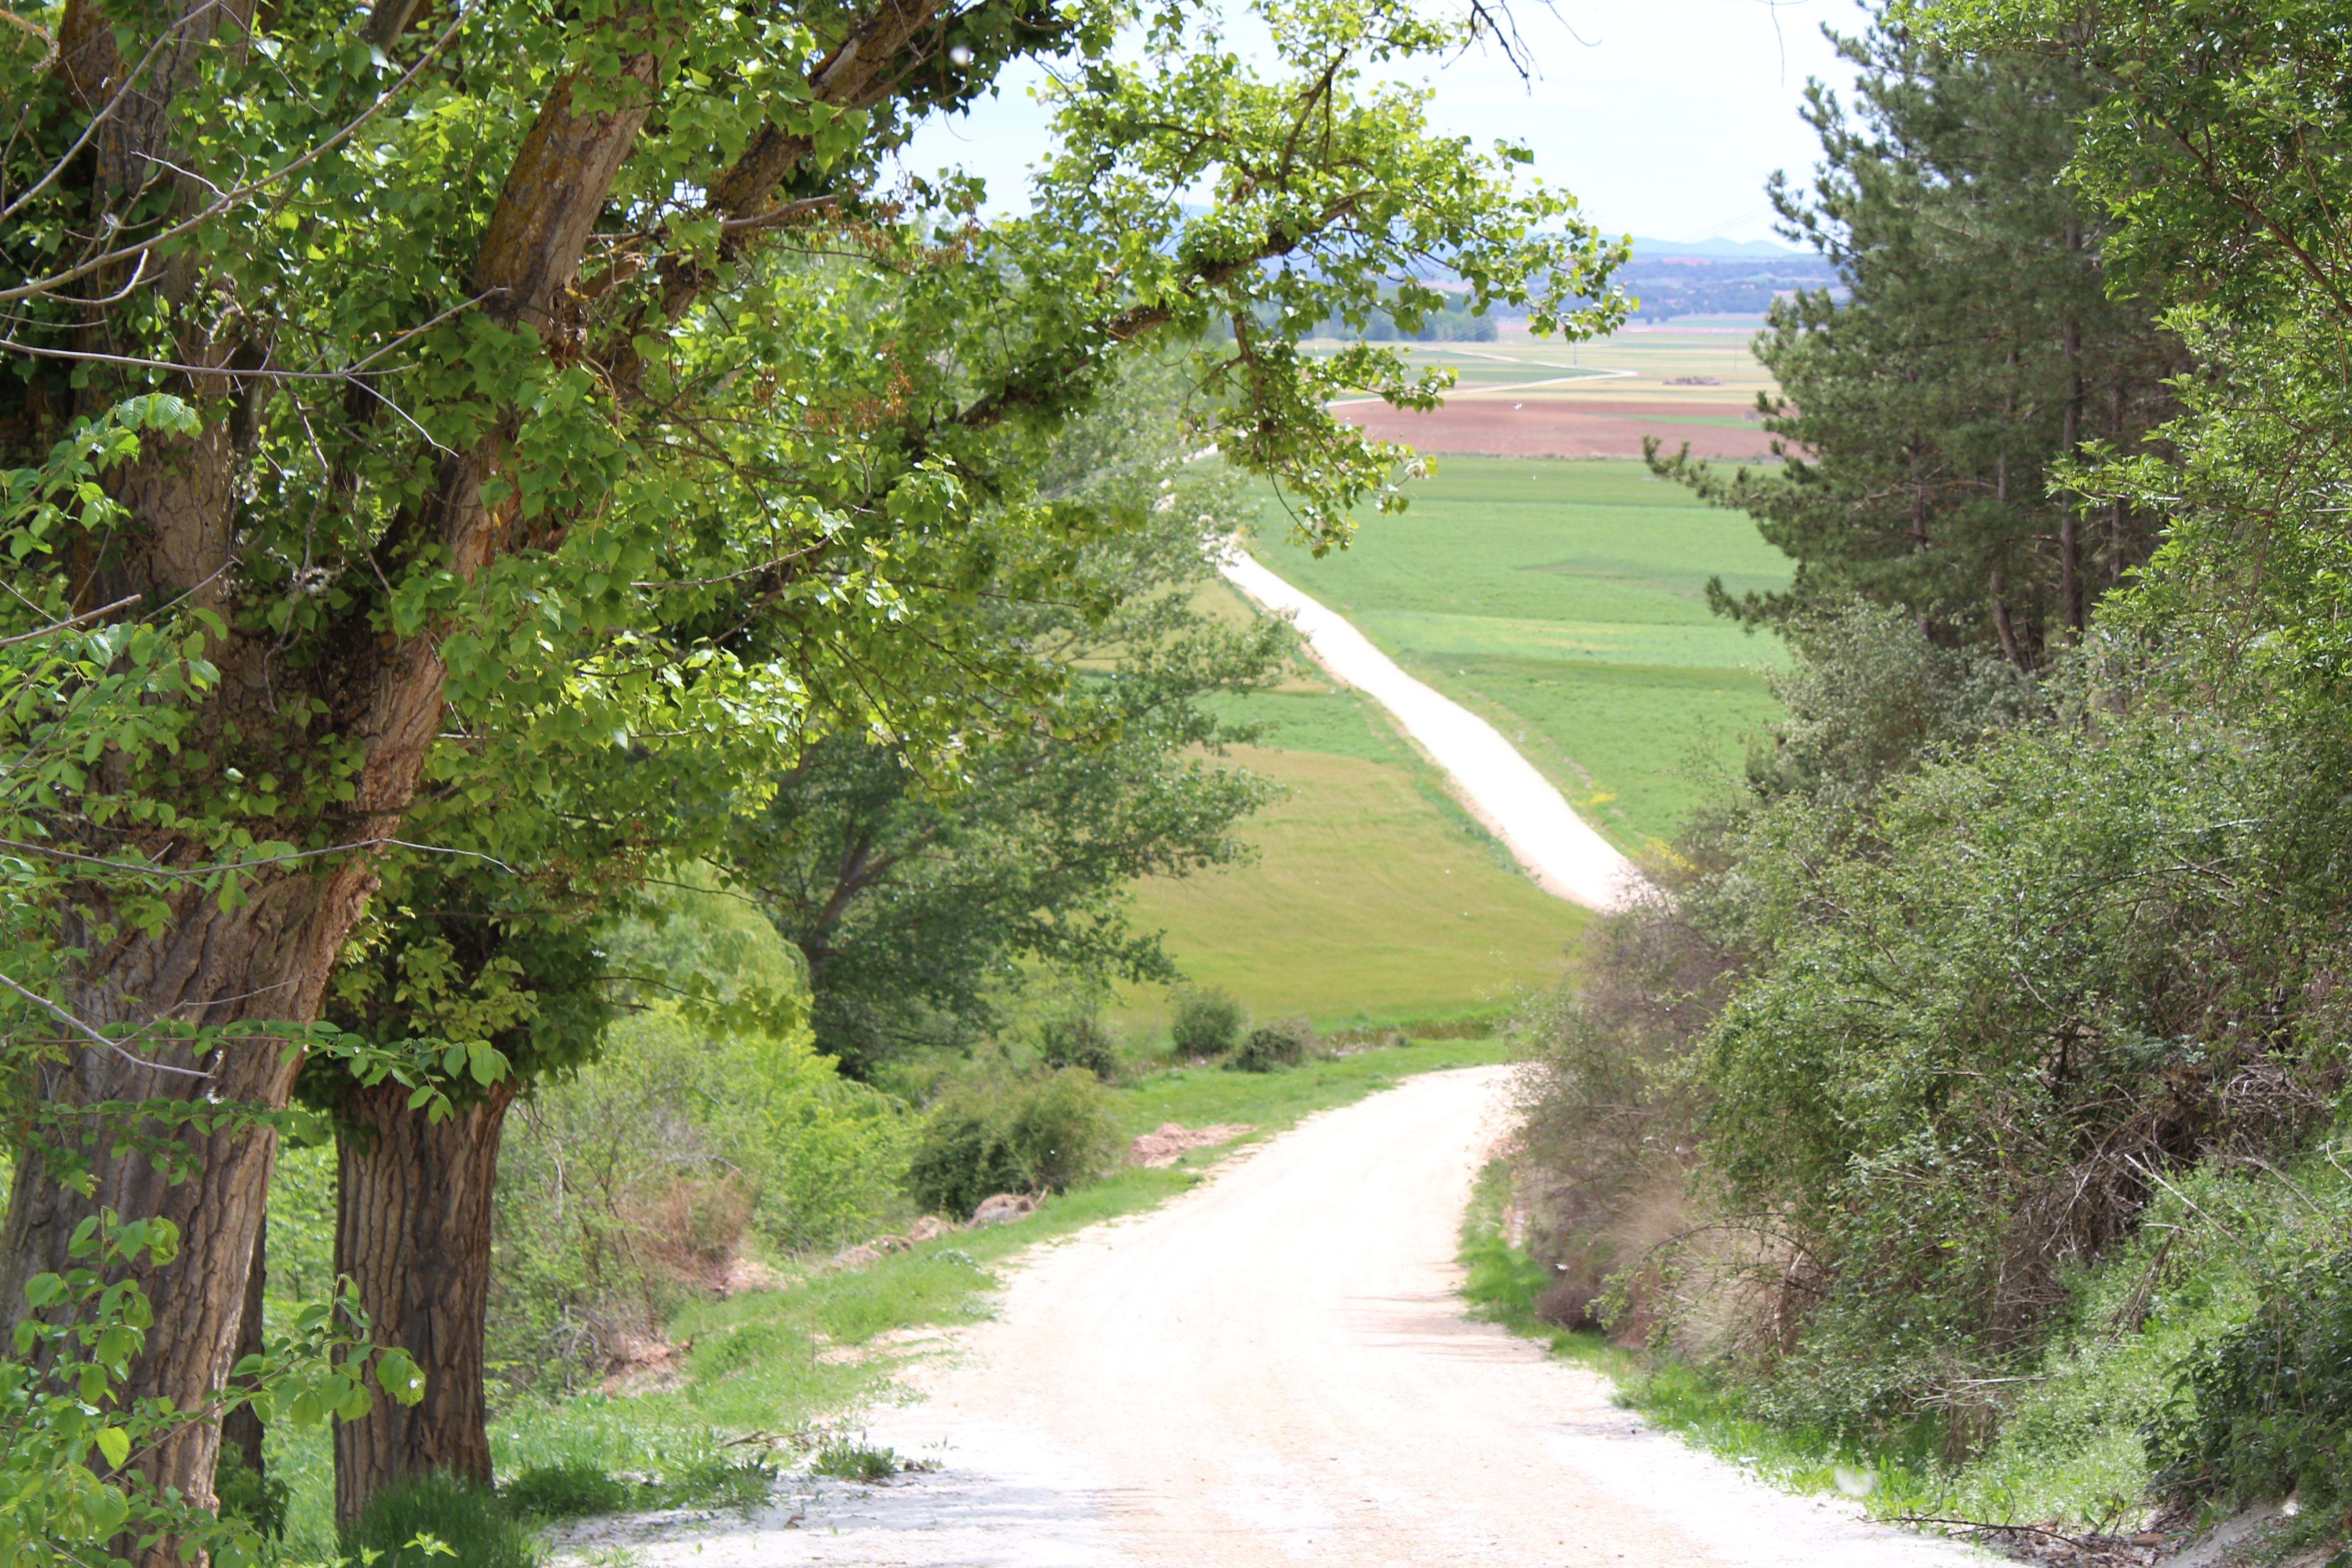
1501, 1285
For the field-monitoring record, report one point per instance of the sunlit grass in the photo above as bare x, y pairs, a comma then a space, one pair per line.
1373, 898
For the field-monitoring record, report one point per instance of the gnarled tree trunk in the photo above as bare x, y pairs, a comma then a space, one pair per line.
413, 1231
241, 1428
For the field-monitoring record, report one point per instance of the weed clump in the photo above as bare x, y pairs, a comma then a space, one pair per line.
845, 1460
573, 1489
1274, 1048
1017, 1135
468, 1521
1208, 1023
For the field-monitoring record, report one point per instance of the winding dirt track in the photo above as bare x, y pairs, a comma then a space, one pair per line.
1275, 1370
1501, 788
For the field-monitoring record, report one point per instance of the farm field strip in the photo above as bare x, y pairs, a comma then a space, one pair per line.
1564, 603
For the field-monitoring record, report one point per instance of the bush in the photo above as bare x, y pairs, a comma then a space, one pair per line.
2269, 1410
1207, 1022
462, 1516
242, 1492
1080, 1040
1278, 1046
662, 1161
1037, 1134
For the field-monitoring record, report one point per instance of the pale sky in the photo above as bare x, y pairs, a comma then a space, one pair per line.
1665, 126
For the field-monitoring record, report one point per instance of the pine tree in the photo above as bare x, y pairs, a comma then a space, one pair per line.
1928, 402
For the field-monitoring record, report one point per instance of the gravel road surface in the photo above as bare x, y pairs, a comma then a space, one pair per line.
1273, 1369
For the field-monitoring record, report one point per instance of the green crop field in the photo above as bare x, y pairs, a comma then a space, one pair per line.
1564, 602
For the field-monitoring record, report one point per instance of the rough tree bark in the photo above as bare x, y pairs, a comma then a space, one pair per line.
2070, 441
241, 1428
413, 1231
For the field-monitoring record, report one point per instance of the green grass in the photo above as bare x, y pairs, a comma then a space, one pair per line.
1373, 898
1564, 602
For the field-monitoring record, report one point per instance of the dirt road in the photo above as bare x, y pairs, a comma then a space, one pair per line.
1500, 787
1275, 1370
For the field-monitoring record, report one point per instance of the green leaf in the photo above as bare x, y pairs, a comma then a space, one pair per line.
115, 1444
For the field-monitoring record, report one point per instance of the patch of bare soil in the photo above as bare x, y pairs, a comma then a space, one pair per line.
1562, 427
1172, 1140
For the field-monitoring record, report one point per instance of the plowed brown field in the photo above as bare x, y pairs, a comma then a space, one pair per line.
1563, 427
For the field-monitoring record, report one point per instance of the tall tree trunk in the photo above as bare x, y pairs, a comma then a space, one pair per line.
2117, 549
241, 1428
1918, 498
2070, 439
413, 1231
277, 949
270, 956
2002, 625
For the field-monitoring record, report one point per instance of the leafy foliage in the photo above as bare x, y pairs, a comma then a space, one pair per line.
2266, 1413
70, 1444
922, 899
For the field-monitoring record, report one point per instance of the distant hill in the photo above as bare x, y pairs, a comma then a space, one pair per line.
1718, 277
1723, 250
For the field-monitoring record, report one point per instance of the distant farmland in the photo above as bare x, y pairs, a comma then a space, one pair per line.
1562, 602
1519, 397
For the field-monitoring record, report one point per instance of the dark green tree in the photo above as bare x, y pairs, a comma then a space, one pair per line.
1971, 348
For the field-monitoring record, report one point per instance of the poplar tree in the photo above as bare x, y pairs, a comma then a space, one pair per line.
578, 378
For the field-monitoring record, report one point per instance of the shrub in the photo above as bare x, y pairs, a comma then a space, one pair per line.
1208, 1023
660, 1162
1278, 1046
244, 1493
1080, 1040
464, 1517
2269, 1407
1036, 1134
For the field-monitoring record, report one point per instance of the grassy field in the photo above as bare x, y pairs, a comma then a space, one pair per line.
1563, 602
1374, 899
